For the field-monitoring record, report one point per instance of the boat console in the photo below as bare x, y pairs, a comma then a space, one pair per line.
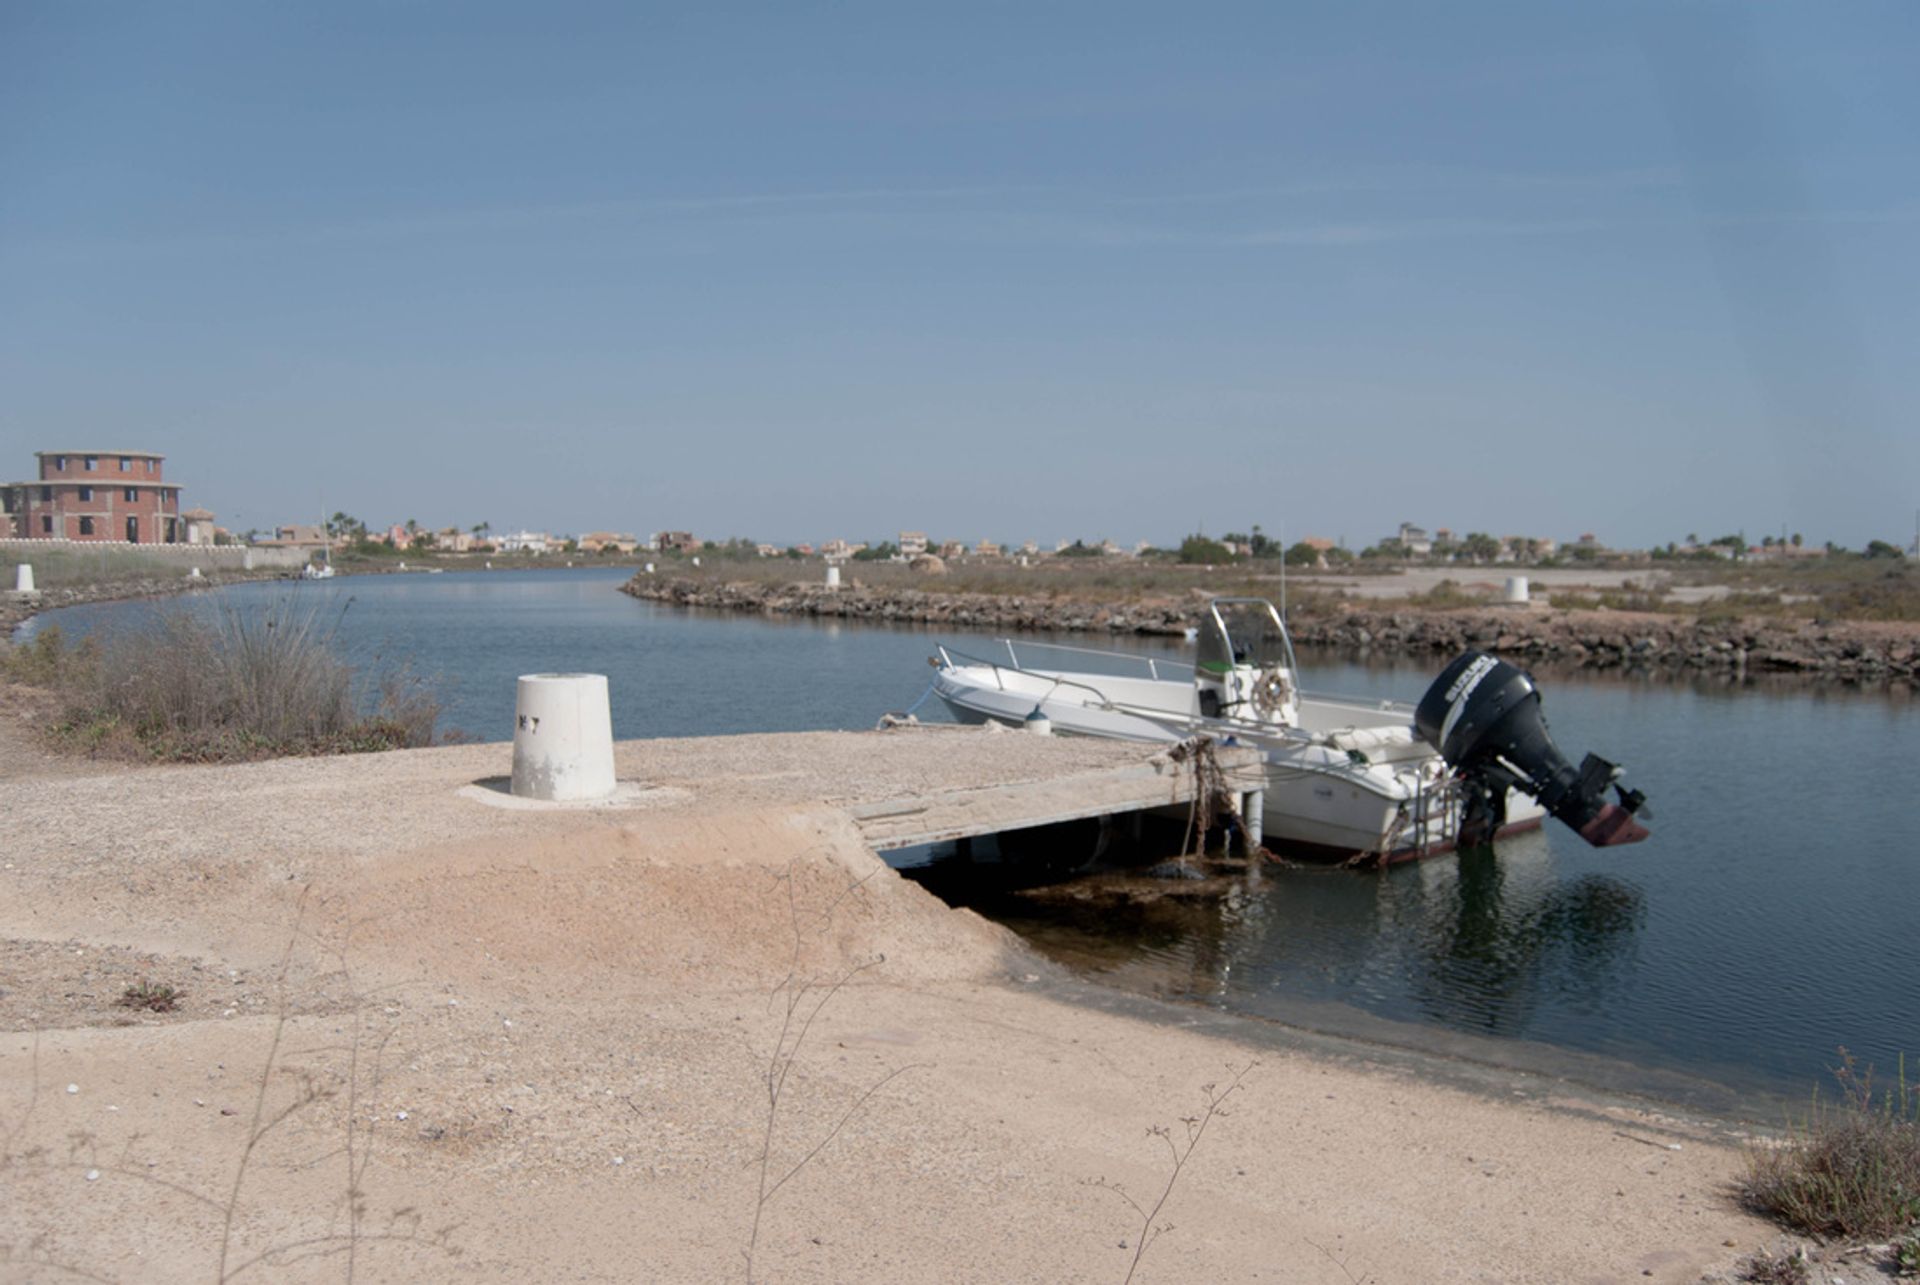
1245, 668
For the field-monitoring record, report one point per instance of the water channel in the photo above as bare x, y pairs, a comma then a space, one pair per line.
1771, 919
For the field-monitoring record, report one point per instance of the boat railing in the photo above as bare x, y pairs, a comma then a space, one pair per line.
1214, 725
1152, 664
1372, 704
949, 655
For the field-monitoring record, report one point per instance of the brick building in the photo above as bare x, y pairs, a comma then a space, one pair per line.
95, 495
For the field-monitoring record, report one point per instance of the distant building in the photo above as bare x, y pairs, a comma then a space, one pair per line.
453, 540
297, 536
601, 541
677, 541
94, 495
988, 549
535, 542
804, 550
913, 543
837, 550
767, 550
200, 527
1414, 540
951, 549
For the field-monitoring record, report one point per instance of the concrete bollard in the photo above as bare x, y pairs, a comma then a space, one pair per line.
23, 578
1517, 589
649, 568
562, 738
195, 574
833, 577
696, 561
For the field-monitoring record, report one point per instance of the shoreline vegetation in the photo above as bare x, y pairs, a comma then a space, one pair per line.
221, 686
1576, 628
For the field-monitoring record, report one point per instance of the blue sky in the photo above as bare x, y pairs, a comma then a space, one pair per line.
1009, 272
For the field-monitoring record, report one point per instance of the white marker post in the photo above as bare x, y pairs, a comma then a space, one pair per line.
23, 578
562, 738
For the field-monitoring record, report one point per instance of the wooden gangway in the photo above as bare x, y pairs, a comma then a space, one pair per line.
1156, 779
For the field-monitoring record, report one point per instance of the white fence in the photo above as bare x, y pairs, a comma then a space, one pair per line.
121, 558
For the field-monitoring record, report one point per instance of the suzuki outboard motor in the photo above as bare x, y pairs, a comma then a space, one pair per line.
1483, 715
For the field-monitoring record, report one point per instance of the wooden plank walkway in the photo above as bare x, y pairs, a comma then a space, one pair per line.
1153, 782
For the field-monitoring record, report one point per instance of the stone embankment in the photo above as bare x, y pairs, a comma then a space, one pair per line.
15, 610
1863, 650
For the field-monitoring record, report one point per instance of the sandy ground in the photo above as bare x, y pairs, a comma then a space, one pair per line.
417, 1037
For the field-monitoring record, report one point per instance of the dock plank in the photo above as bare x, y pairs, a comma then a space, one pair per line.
953, 814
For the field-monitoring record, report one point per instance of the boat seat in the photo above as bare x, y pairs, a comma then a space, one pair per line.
1381, 744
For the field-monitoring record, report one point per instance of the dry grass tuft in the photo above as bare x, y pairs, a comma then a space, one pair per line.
155, 997
1851, 1169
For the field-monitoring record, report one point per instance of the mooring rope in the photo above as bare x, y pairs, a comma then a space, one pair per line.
923, 700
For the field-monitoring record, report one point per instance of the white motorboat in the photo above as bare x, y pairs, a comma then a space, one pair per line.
1348, 778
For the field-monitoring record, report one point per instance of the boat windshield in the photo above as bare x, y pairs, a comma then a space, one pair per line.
1243, 631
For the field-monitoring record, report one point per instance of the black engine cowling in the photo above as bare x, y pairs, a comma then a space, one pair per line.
1483, 716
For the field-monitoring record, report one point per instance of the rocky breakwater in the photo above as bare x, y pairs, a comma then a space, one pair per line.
1857, 650
1027, 613
1865, 650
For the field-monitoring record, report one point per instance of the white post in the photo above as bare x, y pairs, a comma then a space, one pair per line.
696, 561
23, 578
1253, 805
562, 738
1517, 589
649, 568
833, 577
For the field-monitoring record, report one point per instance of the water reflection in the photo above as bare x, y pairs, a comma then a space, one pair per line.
1496, 939
1482, 943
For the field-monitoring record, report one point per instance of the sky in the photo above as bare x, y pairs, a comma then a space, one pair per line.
1007, 272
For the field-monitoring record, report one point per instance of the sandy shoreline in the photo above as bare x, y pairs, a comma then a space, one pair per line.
549, 1032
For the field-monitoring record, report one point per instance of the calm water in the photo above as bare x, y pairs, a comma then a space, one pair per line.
1771, 918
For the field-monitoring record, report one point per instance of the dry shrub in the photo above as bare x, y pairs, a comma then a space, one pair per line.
229, 685
1851, 1168
47, 661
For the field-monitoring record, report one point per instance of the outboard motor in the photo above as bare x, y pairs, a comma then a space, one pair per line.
1484, 717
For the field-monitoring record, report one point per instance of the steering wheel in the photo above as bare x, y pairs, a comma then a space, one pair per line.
1271, 692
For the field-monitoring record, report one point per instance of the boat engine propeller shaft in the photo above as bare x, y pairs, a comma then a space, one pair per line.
1483, 716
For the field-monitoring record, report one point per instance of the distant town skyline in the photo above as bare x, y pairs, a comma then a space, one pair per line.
1077, 272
